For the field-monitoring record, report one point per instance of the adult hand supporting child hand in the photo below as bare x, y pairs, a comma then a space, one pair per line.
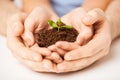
27, 56
84, 56
35, 22
85, 30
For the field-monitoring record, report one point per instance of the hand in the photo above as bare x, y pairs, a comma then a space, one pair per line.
82, 21
37, 21
95, 49
26, 55
74, 18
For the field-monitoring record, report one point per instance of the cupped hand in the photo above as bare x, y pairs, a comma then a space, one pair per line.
74, 18
36, 21
95, 49
26, 55
83, 22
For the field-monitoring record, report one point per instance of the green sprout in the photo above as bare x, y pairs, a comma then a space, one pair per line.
59, 24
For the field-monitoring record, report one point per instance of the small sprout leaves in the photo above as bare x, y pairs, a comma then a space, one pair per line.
67, 26
52, 24
59, 24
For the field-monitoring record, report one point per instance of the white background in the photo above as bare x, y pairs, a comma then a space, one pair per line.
106, 69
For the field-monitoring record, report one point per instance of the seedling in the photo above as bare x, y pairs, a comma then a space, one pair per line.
59, 24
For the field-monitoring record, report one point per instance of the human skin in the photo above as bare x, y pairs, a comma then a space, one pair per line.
33, 60
32, 65
27, 9
105, 33
90, 4
28, 37
27, 56
11, 8
15, 18
13, 33
104, 28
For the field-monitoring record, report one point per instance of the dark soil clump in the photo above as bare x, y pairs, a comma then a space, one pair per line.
48, 37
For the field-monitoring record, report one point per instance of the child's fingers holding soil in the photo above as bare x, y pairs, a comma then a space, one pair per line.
55, 57
57, 49
47, 53
42, 51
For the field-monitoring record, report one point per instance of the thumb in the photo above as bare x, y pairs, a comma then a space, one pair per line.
15, 25
36, 20
93, 16
18, 30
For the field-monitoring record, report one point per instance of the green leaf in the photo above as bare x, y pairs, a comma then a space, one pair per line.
52, 24
66, 26
59, 22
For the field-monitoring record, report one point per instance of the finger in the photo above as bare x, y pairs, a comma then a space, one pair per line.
16, 46
42, 51
68, 66
91, 48
95, 15
56, 49
75, 65
76, 16
32, 22
67, 45
43, 66
85, 31
55, 57
47, 53
15, 25
85, 35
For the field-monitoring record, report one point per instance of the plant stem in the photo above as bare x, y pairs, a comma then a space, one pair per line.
58, 29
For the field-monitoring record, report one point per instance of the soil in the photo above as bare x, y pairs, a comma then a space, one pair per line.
48, 37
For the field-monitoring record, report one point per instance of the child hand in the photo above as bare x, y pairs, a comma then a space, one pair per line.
35, 22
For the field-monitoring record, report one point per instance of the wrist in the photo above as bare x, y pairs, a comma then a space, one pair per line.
115, 32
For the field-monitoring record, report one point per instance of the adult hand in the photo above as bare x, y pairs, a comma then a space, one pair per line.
26, 55
82, 21
74, 18
95, 49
